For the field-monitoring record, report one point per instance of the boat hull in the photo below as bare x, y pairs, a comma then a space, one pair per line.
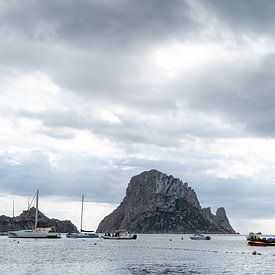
134, 237
200, 237
33, 233
261, 243
82, 235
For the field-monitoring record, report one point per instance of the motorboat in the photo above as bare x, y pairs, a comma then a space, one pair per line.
119, 235
37, 231
262, 241
83, 233
200, 237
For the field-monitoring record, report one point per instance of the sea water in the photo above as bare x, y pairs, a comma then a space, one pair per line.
149, 254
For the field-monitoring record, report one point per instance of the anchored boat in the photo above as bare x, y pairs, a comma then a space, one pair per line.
82, 233
200, 237
119, 235
262, 241
37, 231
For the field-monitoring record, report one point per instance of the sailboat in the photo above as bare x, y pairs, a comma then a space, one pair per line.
82, 233
37, 231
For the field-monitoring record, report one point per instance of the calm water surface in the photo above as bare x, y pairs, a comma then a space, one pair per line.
149, 254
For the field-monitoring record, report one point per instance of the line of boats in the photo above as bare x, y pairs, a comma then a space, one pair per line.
39, 231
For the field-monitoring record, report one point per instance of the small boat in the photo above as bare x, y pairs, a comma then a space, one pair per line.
37, 231
262, 242
82, 233
200, 237
119, 235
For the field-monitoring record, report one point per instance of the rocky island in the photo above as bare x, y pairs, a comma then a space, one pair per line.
26, 220
158, 203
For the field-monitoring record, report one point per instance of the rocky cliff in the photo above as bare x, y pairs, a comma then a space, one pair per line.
26, 220
158, 203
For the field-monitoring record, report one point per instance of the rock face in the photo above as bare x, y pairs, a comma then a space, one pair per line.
26, 220
158, 203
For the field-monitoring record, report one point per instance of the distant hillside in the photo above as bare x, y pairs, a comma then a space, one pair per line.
26, 220
158, 203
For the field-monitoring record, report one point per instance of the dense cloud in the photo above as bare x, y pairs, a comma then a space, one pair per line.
93, 92
251, 17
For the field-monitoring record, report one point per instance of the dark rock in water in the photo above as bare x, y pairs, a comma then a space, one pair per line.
26, 220
158, 203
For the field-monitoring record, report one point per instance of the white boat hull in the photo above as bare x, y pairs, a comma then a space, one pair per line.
34, 233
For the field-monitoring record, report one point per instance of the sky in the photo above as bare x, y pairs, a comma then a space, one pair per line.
95, 92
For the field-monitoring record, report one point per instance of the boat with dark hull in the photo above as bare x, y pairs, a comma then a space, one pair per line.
262, 242
200, 237
119, 235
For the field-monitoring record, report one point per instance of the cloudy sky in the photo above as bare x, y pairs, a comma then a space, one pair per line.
94, 92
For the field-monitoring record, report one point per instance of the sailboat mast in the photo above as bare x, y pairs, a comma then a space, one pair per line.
36, 209
13, 209
13, 215
81, 213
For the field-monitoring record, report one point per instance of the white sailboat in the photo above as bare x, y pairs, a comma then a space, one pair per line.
82, 233
36, 232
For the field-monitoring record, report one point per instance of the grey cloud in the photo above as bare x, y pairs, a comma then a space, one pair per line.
94, 48
91, 176
58, 133
119, 21
245, 16
68, 119
244, 96
165, 132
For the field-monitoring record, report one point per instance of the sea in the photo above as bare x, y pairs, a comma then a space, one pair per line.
149, 254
